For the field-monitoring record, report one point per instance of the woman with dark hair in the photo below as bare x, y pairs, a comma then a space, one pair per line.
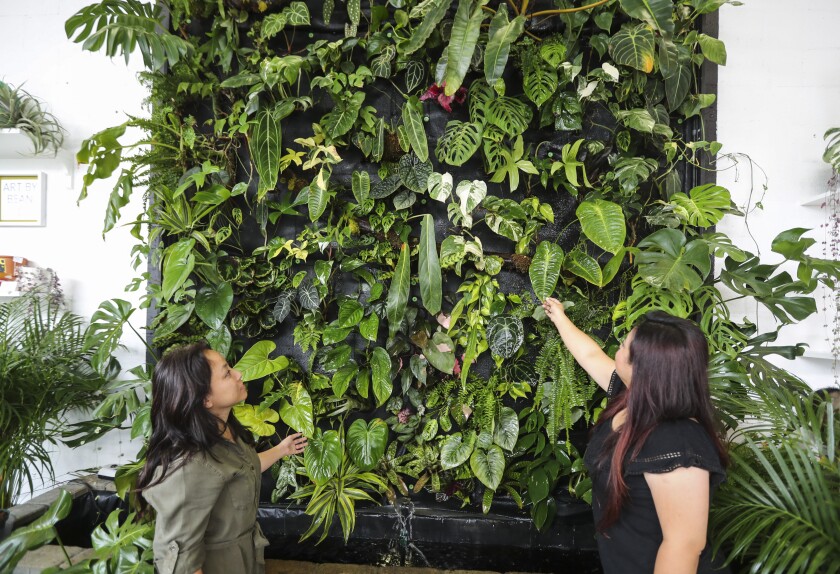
202, 474
654, 456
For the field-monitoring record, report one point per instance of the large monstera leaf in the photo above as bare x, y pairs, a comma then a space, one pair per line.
540, 82
322, 456
459, 142
545, 269
634, 46
603, 224
669, 261
456, 449
509, 115
366, 442
505, 335
704, 205
488, 465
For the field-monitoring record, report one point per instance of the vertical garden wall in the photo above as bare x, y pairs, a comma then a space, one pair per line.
363, 204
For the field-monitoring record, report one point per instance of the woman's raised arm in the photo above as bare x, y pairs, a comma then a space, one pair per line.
586, 352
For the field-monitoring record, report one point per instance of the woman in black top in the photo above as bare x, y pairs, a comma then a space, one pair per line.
654, 456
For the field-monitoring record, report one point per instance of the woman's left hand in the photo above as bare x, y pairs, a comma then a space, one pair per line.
292, 444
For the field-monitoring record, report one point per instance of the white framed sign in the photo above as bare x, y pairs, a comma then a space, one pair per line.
23, 199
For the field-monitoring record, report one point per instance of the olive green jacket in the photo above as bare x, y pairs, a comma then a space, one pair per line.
207, 514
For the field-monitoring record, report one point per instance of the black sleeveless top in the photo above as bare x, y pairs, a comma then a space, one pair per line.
630, 545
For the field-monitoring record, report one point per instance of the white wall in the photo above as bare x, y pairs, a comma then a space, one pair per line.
86, 92
778, 94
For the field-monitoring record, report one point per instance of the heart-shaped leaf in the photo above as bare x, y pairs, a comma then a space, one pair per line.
456, 449
255, 363
634, 46
507, 429
488, 465
505, 335
296, 410
212, 303
366, 442
322, 457
603, 224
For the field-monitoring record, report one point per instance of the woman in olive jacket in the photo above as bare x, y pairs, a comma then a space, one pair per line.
202, 474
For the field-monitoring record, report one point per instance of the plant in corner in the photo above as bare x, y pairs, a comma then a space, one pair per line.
45, 371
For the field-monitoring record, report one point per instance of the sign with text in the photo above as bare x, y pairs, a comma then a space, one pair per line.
23, 199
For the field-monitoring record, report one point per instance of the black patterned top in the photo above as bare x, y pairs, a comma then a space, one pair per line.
630, 545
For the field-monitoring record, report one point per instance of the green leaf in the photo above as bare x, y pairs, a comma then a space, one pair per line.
505, 335
637, 119
440, 352
266, 146
360, 183
178, 264
553, 51
545, 267
675, 64
668, 261
414, 172
431, 290
413, 121
380, 367
322, 457
342, 377
34, 535
657, 13
423, 30
470, 194
296, 411
439, 186
119, 198
498, 46
459, 142
488, 465
398, 293
121, 27
634, 46
105, 330
366, 442
341, 119
255, 363
584, 266
456, 449
212, 303
319, 195
540, 83
712, 48
704, 204
506, 431
509, 114
350, 312
415, 73
308, 295
603, 224
257, 419
462, 40
369, 327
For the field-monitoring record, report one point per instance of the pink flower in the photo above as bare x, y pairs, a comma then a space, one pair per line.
456, 370
436, 92
404, 414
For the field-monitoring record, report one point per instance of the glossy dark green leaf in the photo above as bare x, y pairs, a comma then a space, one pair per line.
322, 457
413, 122
544, 271
603, 224
380, 367
456, 449
669, 261
488, 465
179, 261
634, 46
462, 40
431, 290
366, 442
502, 35
266, 146
399, 290
437, 10
212, 303
342, 378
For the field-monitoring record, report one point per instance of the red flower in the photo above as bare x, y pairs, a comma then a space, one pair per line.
436, 92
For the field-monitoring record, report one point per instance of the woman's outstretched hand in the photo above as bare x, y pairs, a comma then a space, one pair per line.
292, 444
553, 309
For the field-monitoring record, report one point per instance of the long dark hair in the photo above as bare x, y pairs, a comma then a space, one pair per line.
669, 357
182, 426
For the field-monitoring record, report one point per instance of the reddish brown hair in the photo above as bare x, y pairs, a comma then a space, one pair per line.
670, 358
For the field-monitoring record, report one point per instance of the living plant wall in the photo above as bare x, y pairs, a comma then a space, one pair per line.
387, 190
